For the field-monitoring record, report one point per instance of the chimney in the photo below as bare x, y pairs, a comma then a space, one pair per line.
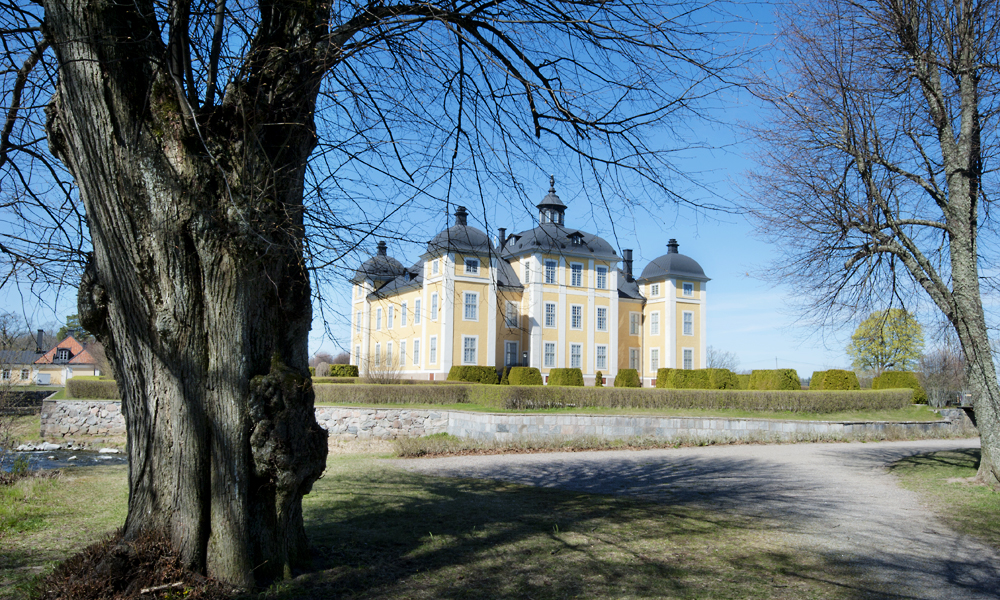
503, 237
672, 246
461, 216
381, 249
628, 264
38, 343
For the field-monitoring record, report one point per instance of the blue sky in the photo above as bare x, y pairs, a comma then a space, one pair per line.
746, 315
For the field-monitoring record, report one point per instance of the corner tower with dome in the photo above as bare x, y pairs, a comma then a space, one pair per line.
550, 297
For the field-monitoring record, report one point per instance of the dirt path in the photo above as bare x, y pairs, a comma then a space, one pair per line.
836, 500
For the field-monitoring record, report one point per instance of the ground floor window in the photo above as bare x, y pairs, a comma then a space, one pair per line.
469, 343
575, 356
550, 354
433, 358
602, 357
6, 374
688, 358
24, 375
654, 359
633, 358
416, 352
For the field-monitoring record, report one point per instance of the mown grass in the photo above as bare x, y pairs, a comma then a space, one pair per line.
383, 533
914, 412
44, 520
945, 480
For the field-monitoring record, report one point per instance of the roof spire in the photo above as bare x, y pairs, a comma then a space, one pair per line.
461, 216
552, 184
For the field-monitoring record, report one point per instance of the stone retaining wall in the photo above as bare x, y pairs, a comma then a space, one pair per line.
72, 418
69, 418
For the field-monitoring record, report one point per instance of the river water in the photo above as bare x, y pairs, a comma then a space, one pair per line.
59, 459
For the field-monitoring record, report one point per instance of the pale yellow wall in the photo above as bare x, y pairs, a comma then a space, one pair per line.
680, 289
510, 334
484, 264
688, 341
626, 341
478, 328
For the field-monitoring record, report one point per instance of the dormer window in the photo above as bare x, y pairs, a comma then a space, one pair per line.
472, 266
62, 354
576, 238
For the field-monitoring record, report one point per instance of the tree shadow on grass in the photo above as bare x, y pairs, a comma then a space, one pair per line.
385, 533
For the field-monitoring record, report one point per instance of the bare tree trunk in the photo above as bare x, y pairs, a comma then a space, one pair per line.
198, 290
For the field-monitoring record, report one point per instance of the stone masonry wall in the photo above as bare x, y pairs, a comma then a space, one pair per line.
72, 418
69, 418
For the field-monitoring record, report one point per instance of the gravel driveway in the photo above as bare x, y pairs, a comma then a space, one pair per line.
837, 500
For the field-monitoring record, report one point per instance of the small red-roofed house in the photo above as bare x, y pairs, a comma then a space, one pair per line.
67, 359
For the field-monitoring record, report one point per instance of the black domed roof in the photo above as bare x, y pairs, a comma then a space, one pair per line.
552, 238
460, 238
673, 264
380, 267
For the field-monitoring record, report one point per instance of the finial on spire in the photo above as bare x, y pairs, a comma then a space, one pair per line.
552, 184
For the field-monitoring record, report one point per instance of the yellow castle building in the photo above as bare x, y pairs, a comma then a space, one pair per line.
550, 297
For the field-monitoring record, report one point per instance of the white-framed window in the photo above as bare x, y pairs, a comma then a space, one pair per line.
575, 356
389, 316
402, 353
688, 358
602, 318
602, 278
633, 324
388, 354
434, 307
550, 354
434, 267
512, 316
469, 344
550, 314
471, 306
432, 358
416, 311
550, 271
378, 319
6, 375
654, 289
402, 315
633, 358
416, 352
357, 355
527, 272
688, 288
25, 374
576, 274
576, 316
601, 356
378, 355
472, 266
357, 322
62, 354
654, 323
688, 323
654, 359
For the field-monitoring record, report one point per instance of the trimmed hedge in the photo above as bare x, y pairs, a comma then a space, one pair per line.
322, 380
92, 389
627, 378
697, 379
774, 379
742, 381
525, 376
901, 379
521, 398
473, 374
376, 393
566, 377
834, 379
599, 379
344, 371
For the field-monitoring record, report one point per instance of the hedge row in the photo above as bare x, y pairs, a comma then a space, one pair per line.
92, 389
696, 379
901, 379
627, 378
521, 398
343, 371
834, 379
382, 393
566, 377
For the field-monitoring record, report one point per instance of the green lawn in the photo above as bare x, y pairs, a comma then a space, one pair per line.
382, 533
944, 480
